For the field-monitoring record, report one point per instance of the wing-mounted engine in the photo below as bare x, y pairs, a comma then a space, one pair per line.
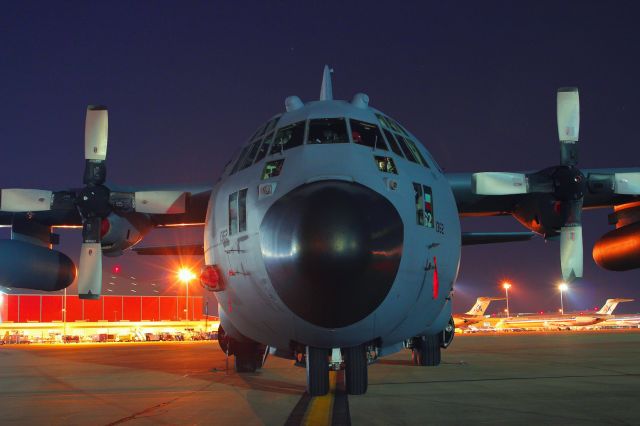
619, 250
119, 232
98, 207
550, 201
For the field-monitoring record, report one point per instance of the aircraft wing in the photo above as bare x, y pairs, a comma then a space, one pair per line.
195, 209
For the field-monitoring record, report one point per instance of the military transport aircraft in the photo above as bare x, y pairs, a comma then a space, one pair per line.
333, 237
475, 314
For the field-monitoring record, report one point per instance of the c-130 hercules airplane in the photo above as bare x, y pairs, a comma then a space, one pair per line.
333, 236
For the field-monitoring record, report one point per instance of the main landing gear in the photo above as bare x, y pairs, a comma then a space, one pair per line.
426, 350
248, 354
354, 360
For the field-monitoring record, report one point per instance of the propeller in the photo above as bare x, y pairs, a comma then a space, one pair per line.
565, 182
94, 202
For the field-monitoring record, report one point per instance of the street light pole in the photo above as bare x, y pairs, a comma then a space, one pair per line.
64, 315
506, 287
562, 287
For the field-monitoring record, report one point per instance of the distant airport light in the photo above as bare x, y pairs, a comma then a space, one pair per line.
506, 285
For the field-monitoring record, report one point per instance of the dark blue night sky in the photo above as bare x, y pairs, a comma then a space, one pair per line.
187, 82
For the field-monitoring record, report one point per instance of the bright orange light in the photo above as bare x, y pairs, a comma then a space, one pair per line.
563, 287
186, 275
506, 285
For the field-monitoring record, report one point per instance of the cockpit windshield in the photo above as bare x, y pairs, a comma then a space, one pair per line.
367, 134
288, 137
327, 130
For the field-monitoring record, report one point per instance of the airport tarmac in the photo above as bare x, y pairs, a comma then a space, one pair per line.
509, 378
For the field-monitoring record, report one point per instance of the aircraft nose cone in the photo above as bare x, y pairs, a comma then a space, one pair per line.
332, 250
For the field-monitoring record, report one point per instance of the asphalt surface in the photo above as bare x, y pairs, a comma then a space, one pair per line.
520, 378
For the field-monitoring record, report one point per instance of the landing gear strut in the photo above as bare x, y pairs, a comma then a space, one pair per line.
248, 354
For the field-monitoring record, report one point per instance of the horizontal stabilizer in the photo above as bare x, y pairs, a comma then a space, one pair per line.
473, 238
184, 250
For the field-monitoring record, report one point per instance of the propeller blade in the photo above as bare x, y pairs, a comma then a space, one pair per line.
568, 112
90, 271
25, 200
96, 133
161, 202
571, 256
627, 183
499, 183
90, 267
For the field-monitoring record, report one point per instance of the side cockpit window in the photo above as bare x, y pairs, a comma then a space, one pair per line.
258, 146
288, 137
367, 134
327, 130
400, 141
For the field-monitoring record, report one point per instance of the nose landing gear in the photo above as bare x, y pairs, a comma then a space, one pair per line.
353, 360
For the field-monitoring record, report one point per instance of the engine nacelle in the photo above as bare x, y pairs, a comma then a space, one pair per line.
541, 214
24, 265
619, 250
121, 232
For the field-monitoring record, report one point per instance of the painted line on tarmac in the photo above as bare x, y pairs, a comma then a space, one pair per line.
331, 409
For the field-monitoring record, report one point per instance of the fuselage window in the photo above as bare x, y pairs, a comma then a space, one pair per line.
272, 169
288, 137
264, 148
238, 212
327, 130
367, 134
242, 210
424, 205
392, 143
386, 164
233, 213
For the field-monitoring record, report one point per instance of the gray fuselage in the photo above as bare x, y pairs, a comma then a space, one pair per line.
340, 245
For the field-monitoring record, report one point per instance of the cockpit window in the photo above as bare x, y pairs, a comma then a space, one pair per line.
243, 153
288, 137
367, 134
386, 164
392, 143
264, 148
327, 130
394, 131
251, 153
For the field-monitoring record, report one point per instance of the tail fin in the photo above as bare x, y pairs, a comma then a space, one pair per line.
481, 305
611, 304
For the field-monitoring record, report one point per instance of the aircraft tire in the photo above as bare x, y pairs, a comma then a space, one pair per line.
317, 371
356, 370
246, 359
426, 351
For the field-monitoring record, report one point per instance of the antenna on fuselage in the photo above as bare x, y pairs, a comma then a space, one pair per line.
326, 90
